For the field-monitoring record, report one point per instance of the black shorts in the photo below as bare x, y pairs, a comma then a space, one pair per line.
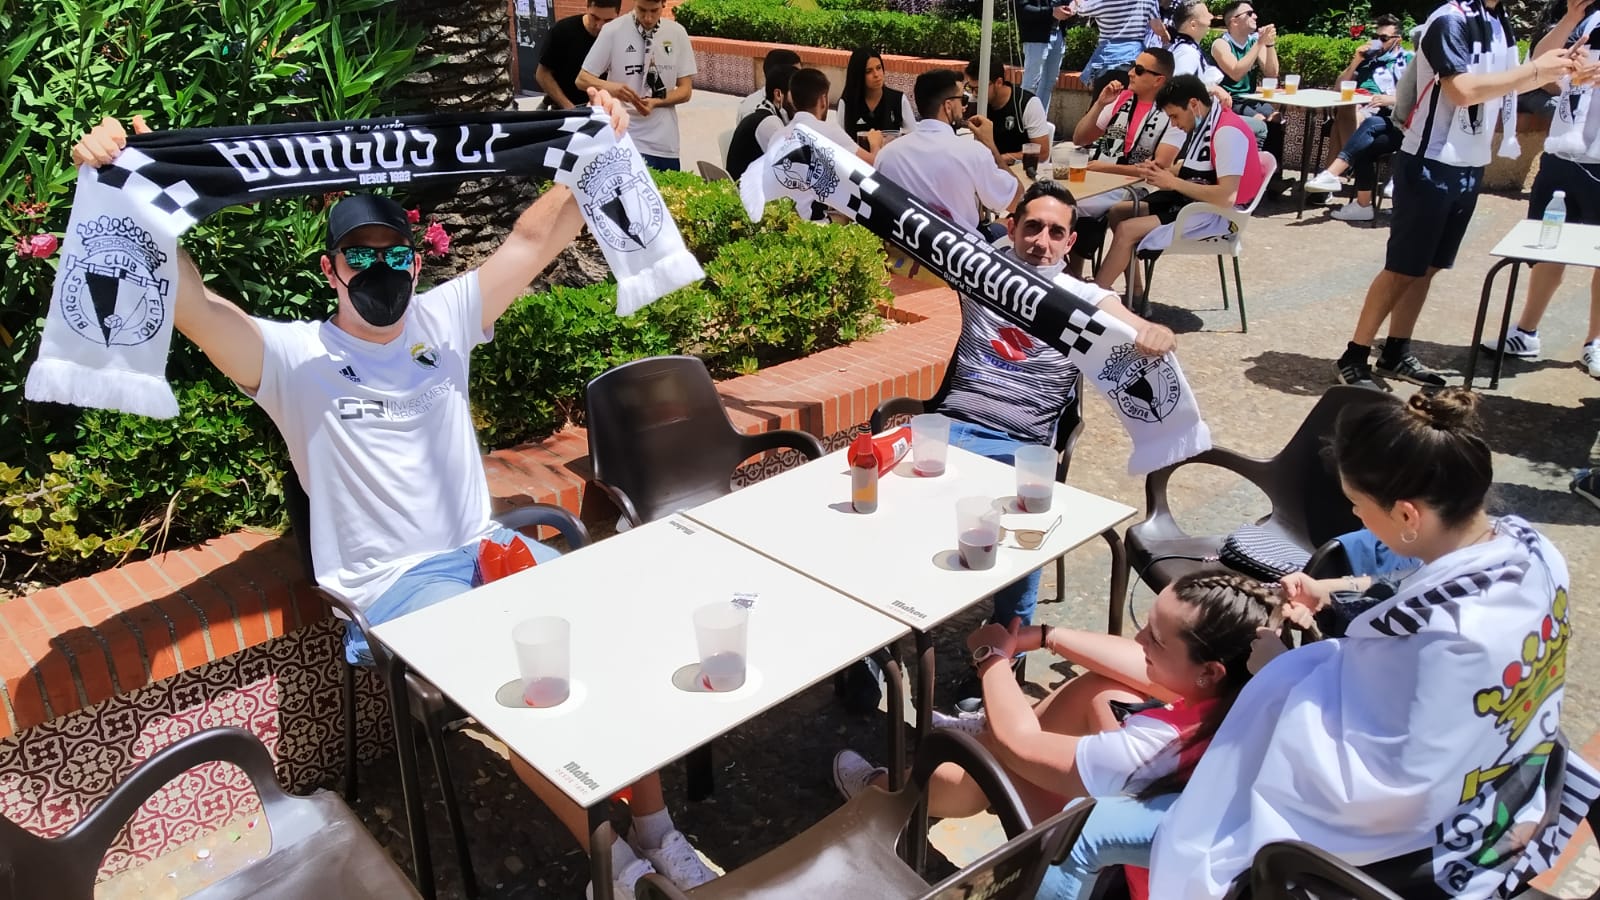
1433, 203
1581, 181
1164, 205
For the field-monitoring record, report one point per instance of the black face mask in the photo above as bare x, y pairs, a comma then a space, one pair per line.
380, 294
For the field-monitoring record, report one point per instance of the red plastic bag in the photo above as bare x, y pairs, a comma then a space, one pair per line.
496, 561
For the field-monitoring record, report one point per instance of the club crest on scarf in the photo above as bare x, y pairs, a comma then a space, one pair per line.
626, 210
1144, 387
110, 294
806, 163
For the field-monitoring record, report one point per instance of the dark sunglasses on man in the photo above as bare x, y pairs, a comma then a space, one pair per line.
398, 258
1137, 69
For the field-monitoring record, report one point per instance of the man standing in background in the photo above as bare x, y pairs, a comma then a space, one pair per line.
650, 66
566, 46
1042, 28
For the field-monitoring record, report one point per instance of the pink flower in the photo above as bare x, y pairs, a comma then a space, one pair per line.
413, 216
1356, 30
435, 241
38, 246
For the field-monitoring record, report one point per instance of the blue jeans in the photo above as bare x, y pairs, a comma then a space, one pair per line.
1017, 599
1375, 137
434, 580
662, 163
1370, 556
1041, 66
1119, 832
1109, 55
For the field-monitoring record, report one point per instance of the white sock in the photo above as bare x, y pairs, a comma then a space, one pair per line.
1533, 333
652, 829
622, 856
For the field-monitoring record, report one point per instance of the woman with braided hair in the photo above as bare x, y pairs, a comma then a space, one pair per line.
1422, 740
1190, 654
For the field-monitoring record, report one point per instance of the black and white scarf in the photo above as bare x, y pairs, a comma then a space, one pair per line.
1114, 145
109, 325
1149, 394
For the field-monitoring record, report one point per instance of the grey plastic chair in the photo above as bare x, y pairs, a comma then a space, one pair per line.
852, 852
319, 847
410, 691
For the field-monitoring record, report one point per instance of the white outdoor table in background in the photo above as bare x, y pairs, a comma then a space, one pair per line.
802, 518
1308, 100
1579, 246
629, 599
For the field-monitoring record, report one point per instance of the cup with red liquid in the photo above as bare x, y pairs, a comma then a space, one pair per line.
544, 659
977, 532
1036, 477
930, 444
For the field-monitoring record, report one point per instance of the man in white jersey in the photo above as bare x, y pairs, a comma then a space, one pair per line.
373, 406
953, 174
1465, 70
1009, 389
1571, 163
645, 60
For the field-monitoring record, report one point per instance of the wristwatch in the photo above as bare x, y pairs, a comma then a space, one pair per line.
979, 654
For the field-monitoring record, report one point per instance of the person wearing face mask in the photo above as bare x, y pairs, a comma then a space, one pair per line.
373, 406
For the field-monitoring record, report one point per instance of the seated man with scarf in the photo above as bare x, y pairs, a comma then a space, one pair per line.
373, 406
1126, 127
1219, 164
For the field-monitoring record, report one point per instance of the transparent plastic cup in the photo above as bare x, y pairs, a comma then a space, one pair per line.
1036, 477
930, 444
1269, 86
977, 532
721, 632
1291, 83
1078, 164
544, 660
1347, 90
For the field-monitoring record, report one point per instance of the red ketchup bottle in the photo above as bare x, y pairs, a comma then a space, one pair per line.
863, 475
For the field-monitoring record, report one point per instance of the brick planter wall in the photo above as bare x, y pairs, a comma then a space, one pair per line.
102, 672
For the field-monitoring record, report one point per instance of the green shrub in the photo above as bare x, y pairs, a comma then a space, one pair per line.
1317, 60
845, 29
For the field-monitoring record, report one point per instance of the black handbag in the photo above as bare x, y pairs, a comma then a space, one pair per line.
1262, 553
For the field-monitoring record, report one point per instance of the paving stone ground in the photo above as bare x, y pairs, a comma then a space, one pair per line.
1304, 281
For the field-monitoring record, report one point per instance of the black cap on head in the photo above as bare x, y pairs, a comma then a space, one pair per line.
360, 210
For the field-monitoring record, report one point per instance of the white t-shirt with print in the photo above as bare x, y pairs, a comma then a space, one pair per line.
948, 172
1575, 127
618, 54
382, 437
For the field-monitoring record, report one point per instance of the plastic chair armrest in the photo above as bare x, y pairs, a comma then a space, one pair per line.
1280, 861
619, 498
570, 526
895, 406
1329, 561
783, 438
944, 746
1156, 503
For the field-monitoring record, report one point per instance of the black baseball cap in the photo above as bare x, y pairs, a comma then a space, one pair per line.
360, 210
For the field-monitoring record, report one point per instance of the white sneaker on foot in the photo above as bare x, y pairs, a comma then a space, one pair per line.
971, 723
622, 887
1324, 182
1518, 343
1353, 212
1591, 358
677, 860
852, 773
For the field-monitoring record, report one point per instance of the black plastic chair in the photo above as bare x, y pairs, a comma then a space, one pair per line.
410, 691
660, 440
319, 847
1068, 429
852, 852
1308, 507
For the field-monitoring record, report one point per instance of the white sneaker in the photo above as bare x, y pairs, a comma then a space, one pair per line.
1324, 182
852, 773
1388, 189
622, 887
1353, 212
1518, 343
1591, 358
677, 860
971, 723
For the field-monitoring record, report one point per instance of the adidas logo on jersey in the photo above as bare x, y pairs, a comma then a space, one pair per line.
349, 372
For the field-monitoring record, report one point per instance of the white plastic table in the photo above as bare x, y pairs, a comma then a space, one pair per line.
1579, 246
629, 599
1308, 100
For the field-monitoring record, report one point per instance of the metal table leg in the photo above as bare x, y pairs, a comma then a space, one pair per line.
411, 785
600, 836
1505, 321
1305, 160
917, 840
894, 682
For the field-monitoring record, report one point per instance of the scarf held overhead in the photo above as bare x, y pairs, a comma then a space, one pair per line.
1149, 394
109, 325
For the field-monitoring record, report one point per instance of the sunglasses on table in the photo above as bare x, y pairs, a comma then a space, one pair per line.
398, 257
1030, 538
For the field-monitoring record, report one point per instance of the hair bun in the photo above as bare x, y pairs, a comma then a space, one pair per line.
1447, 409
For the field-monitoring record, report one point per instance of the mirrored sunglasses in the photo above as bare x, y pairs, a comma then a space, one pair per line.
1031, 538
399, 257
